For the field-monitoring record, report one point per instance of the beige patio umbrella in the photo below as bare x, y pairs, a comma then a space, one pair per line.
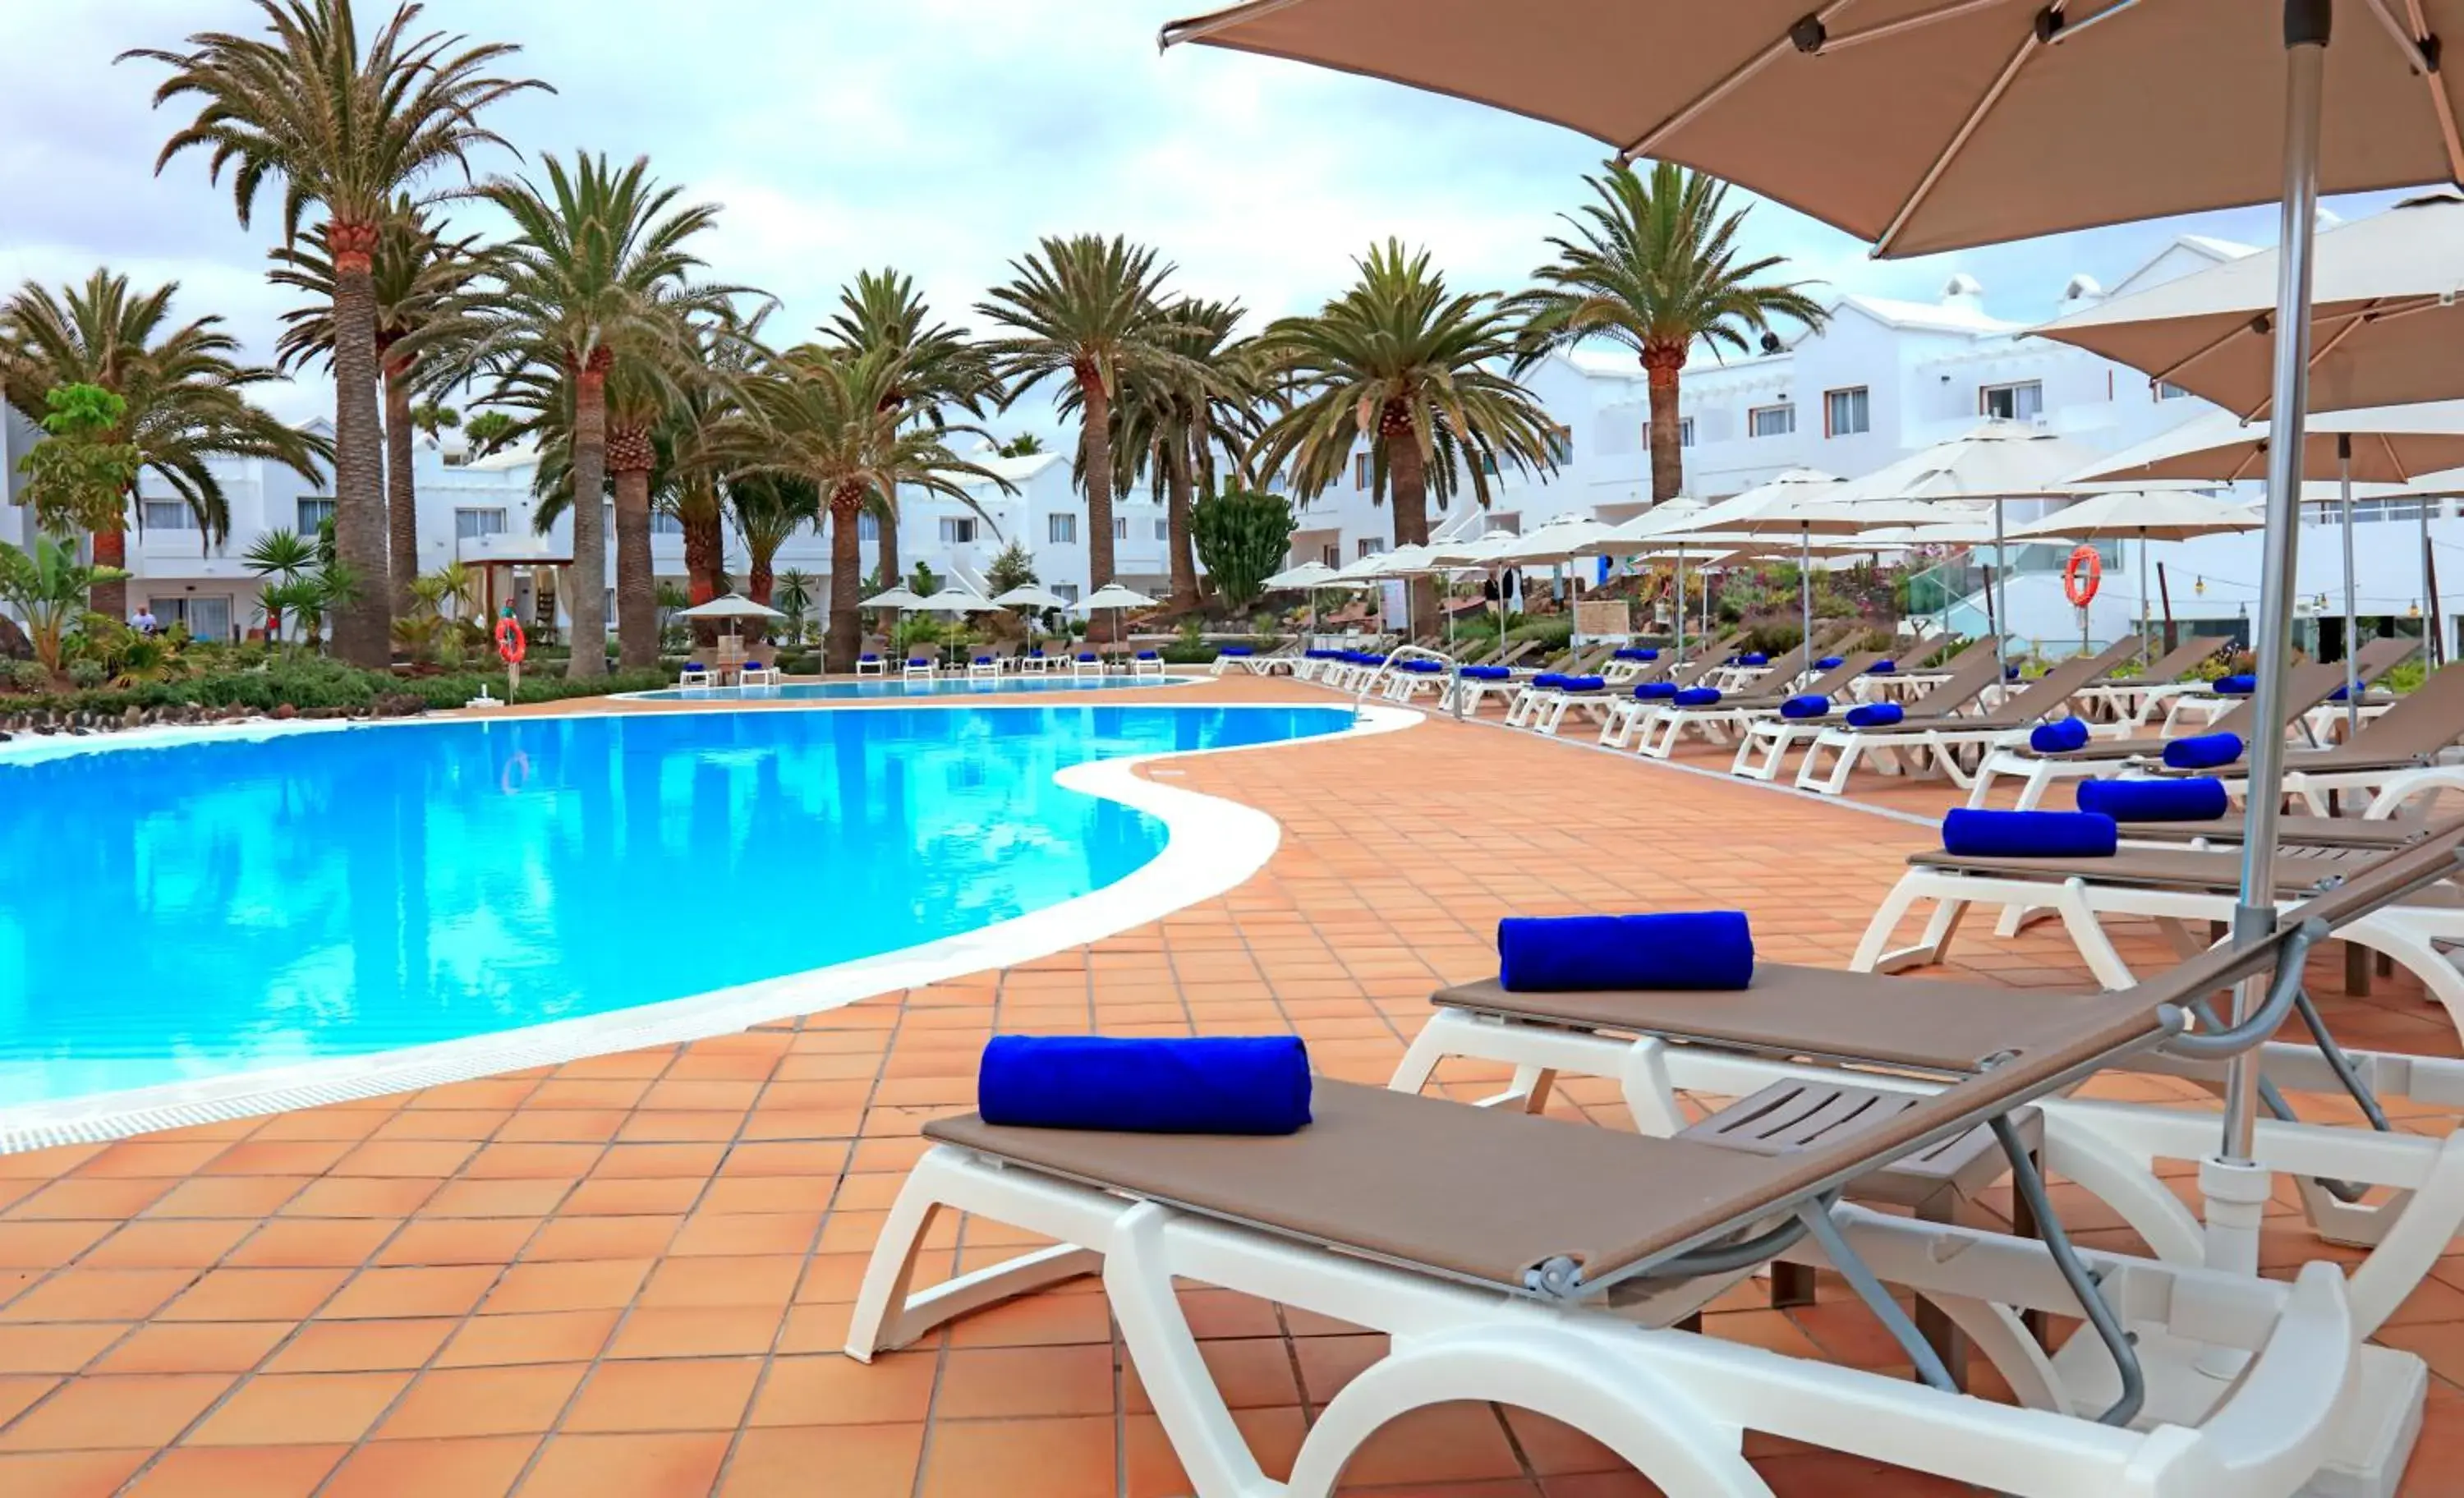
1805, 503
2384, 325
1309, 575
2147, 514
1922, 126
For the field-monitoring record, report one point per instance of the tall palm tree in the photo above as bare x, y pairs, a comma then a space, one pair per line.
1417, 373
596, 268
1172, 417
1085, 307
944, 367
769, 509
346, 129
1654, 265
185, 394
422, 284
822, 417
691, 435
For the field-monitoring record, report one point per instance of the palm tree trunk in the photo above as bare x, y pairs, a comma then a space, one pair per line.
589, 572
846, 581
637, 602
110, 550
758, 578
890, 570
1407, 474
1095, 443
362, 626
1177, 502
1661, 363
705, 558
401, 501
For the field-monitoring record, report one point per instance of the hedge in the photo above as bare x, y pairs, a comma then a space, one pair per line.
315, 685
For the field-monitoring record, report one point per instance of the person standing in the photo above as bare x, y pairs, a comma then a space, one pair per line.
143, 622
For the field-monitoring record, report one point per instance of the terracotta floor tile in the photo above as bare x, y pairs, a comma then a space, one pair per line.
833, 1389
281, 1471
255, 1294
97, 1413
165, 1245
411, 1292
48, 1245
313, 1243
96, 1295
498, 1198
362, 1197
194, 1347
764, 1280
78, 1474
697, 1332
59, 1348
249, 1197
545, 1336
1006, 1382
861, 1461
591, 1284
483, 1401
289, 1409
481, 1467
603, 1238
437, 1241
626, 1466
679, 1394
1037, 1321
362, 1346
971, 1458
737, 1233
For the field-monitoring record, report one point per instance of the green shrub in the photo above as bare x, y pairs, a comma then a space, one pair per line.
313, 684
29, 676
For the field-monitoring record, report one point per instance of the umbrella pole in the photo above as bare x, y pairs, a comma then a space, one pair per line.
2235, 1189
1681, 601
2001, 601
2352, 623
1805, 584
2144, 639
2434, 630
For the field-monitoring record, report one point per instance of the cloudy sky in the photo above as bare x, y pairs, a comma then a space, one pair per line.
939, 136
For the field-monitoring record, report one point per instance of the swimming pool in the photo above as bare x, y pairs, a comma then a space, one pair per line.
218, 906
875, 689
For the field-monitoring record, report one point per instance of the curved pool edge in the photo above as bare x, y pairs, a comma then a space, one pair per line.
1211, 847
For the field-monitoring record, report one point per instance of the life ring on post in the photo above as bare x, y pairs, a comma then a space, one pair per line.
2081, 576
512, 644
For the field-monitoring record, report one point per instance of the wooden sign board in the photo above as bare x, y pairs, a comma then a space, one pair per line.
1604, 619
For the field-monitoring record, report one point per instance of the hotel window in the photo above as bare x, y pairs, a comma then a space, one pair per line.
867, 526
2024, 401
469, 524
1061, 530
1770, 421
314, 513
2167, 391
168, 515
662, 524
1370, 545
1331, 554
207, 618
1845, 412
1067, 592
1120, 528
1360, 471
957, 530
1163, 529
1561, 444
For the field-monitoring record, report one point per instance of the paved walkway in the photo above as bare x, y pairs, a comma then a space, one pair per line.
630, 1275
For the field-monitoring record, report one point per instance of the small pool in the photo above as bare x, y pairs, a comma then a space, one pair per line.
877, 688
222, 905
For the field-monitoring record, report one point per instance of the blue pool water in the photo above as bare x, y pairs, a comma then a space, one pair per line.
877, 688
219, 905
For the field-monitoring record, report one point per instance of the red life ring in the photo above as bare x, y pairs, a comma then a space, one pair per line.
511, 650
2081, 576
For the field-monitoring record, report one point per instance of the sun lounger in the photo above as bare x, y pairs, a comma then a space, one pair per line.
1974, 669
1628, 713
756, 674
1510, 1258
2126, 703
1739, 713
1147, 665
696, 677
2307, 684
2407, 738
1804, 1025
918, 668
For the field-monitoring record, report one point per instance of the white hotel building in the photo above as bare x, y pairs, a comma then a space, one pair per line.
1881, 380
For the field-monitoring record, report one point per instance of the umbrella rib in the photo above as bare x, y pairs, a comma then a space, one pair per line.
1906, 23
1199, 28
1958, 143
1781, 46
2409, 38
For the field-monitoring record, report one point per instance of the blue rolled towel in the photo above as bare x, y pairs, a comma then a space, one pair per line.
983, 660
1549, 678
2203, 751
1655, 692
1247, 1084
2027, 834
1568, 953
1424, 668
1584, 684
1876, 715
1806, 707
1753, 658
868, 656
2240, 685
1325, 655
1037, 654
1830, 663
754, 666
1150, 655
920, 660
2337, 696
1087, 655
1236, 649
1630, 653
1646, 654
1697, 696
1882, 667
2062, 736
2157, 798
695, 665
1489, 673
2009, 674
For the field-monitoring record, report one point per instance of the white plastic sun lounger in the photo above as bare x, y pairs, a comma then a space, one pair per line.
919, 668
1737, 714
1540, 1263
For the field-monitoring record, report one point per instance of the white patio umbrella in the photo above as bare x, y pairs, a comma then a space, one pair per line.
1806, 502
735, 609
1029, 595
1309, 575
899, 597
957, 601
1962, 123
2148, 515
2390, 445
1115, 596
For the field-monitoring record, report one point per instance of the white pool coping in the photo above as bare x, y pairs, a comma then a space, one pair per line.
1211, 846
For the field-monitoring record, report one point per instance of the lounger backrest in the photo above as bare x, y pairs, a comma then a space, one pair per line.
1971, 672
2417, 727
2102, 1029
2384, 878
2177, 662
1522, 648
2050, 691
2378, 657
1838, 677
2306, 685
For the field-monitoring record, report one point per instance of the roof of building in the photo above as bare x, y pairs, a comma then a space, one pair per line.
1958, 316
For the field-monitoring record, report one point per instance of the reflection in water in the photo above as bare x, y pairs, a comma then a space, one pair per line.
330, 893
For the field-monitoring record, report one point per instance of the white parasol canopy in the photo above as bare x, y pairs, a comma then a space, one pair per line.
900, 597
729, 606
1029, 595
1112, 595
1308, 574
2152, 515
2384, 445
957, 601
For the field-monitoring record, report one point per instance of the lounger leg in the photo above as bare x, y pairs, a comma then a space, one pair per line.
2032, 795
1940, 1332
1138, 1280
887, 1315
2088, 934
2418, 955
1873, 951
1981, 790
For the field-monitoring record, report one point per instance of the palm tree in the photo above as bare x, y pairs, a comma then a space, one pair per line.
706, 403
1026, 444
1415, 372
186, 396
596, 269
1172, 417
822, 417
1654, 265
769, 509
944, 368
1085, 307
422, 284
430, 417
345, 130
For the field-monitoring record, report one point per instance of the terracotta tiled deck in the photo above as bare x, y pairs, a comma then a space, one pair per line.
630, 1275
